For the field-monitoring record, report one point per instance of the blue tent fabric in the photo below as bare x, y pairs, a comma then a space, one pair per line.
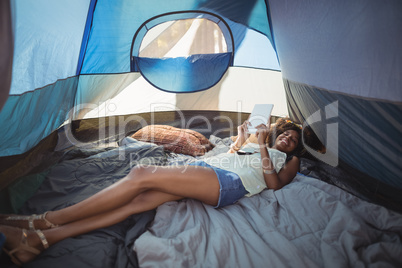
32, 116
177, 74
48, 37
54, 35
114, 27
85, 37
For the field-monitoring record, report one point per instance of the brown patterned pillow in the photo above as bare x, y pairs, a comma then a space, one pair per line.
181, 141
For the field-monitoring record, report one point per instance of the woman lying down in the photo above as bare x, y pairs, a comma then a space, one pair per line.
217, 181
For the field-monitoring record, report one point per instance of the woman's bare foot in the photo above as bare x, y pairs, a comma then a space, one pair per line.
21, 245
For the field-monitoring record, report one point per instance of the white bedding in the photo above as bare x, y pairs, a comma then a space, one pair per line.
308, 223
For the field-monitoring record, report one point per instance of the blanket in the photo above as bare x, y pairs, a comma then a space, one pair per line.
308, 223
81, 173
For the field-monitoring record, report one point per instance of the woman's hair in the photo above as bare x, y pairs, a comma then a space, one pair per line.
282, 125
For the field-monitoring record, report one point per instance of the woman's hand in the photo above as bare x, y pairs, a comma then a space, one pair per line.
262, 133
242, 130
242, 136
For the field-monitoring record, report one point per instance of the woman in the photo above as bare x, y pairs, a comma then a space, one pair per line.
217, 181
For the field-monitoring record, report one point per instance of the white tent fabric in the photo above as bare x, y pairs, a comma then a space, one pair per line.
238, 91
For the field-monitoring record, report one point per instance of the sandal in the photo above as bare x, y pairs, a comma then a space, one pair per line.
23, 246
30, 220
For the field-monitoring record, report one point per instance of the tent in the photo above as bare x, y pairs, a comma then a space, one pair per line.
75, 88
72, 61
93, 71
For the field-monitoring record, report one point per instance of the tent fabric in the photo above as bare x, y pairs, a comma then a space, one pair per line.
85, 37
177, 74
366, 140
32, 116
48, 36
345, 74
191, 33
189, 54
351, 47
115, 26
124, 94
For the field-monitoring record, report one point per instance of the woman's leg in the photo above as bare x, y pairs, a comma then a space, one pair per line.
195, 182
146, 187
144, 202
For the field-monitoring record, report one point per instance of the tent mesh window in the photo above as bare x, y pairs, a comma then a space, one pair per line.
183, 55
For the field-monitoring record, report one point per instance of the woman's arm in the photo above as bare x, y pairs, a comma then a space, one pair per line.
242, 136
276, 181
272, 179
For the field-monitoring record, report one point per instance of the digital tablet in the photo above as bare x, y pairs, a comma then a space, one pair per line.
260, 115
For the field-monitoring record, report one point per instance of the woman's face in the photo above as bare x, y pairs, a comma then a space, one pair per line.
287, 141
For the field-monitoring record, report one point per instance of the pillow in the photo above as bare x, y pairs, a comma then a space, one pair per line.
181, 141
